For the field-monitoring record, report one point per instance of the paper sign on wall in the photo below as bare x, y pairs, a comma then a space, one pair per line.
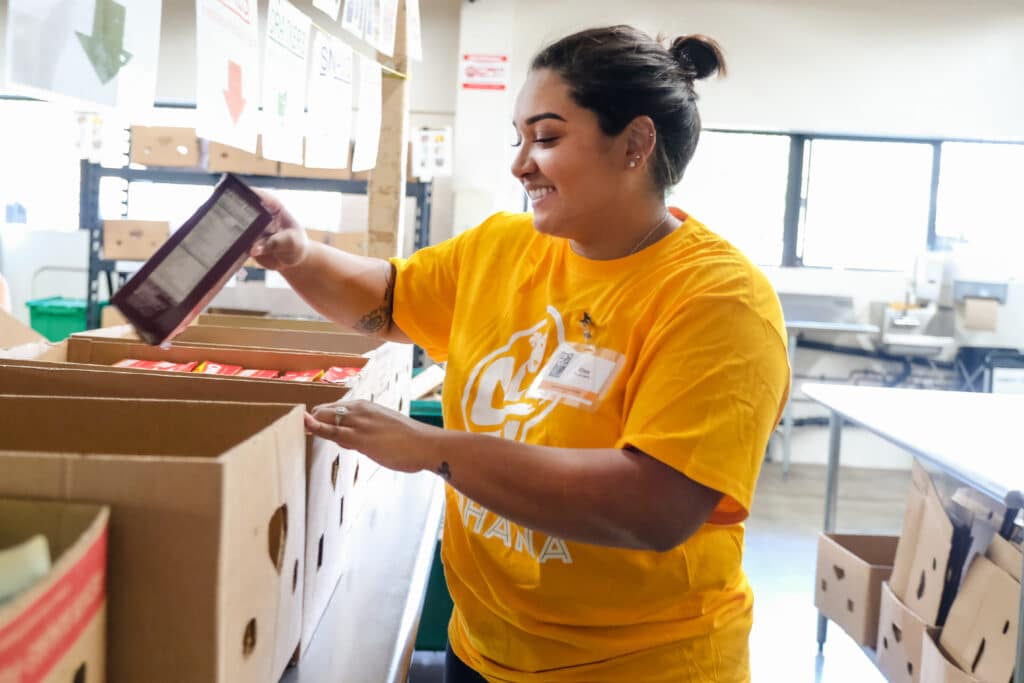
329, 104
102, 52
352, 20
388, 26
328, 7
432, 152
284, 82
227, 62
414, 35
484, 72
364, 157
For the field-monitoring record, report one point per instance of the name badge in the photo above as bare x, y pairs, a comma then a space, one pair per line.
577, 374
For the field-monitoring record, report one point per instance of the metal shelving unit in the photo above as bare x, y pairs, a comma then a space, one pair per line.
89, 212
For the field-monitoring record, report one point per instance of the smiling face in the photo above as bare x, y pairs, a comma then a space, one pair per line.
575, 175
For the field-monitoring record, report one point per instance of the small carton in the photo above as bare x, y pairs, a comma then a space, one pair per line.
55, 631
931, 552
133, 240
901, 635
227, 159
163, 146
980, 634
206, 524
937, 668
848, 584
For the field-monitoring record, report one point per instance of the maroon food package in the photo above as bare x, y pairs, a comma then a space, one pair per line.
177, 282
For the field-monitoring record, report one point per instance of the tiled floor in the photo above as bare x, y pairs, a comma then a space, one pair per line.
780, 558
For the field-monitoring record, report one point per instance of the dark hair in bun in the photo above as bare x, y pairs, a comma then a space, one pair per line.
620, 73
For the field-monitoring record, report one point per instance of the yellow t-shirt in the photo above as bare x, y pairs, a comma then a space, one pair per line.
704, 379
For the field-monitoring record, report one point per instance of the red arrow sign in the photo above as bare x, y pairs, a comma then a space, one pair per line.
233, 95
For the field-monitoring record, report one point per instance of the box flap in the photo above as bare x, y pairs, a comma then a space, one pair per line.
937, 668
326, 342
14, 333
980, 634
901, 635
1006, 556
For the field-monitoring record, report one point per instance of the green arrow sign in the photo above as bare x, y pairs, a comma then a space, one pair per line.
105, 46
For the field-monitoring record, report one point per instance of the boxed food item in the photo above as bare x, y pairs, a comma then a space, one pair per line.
163, 146
211, 368
133, 240
191, 267
206, 525
261, 374
848, 584
302, 376
55, 630
164, 365
980, 634
333, 505
336, 375
901, 635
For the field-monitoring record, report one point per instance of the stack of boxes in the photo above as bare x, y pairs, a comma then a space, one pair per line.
939, 604
228, 524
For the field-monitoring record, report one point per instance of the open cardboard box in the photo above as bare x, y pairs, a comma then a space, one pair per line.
264, 321
332, 505
931, 552
206, 529
980, 634
55, 630
848, 583
901, 635
937, 668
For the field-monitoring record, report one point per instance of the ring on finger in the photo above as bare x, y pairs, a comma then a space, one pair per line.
339, 415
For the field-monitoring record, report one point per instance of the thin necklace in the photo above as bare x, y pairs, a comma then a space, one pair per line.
649, 233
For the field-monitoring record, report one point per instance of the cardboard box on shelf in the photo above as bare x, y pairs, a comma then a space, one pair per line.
980, 634
163, 146
13, 332
56, 629
227, 159
937, 668
206, 529
133, 240
848, 582
931, 552
901, 634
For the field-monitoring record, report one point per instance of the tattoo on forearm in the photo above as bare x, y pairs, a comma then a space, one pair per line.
379, 319
445, 471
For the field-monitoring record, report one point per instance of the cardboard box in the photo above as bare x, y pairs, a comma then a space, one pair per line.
267, 338
848, 583
70, 603
980, 634
163, 146
901, 635
227, 159
111, 317
264, 321
13, 332
936, 667
133, 240
1006, 556
206, 530
931, 552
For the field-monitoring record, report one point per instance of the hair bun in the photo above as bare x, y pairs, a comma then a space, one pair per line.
699, 56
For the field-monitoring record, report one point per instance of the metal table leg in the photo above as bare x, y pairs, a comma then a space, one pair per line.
787, 414
835, 429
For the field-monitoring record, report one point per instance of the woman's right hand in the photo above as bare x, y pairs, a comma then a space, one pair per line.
284, 243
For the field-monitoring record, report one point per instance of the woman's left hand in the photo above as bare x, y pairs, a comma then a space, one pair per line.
385, 436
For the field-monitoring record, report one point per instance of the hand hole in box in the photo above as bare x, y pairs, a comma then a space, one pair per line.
334, 472
320, 553
920, 587
935, 564
840, 572
977, 657
1006, 627
355, 477
295, 576
885, 643
910, 668
182, 150
277, 535
824, 585
897, 633
249, 638
341, 511
79, 674
849, 606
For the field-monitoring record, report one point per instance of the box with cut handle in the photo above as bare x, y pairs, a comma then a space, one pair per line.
848, 581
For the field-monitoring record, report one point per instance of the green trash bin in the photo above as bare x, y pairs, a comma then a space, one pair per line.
437, 605
56, 318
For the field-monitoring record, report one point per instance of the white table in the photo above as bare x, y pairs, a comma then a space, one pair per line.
369, 629
793, 330
975, 438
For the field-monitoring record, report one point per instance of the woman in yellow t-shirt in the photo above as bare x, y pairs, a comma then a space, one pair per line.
631, 362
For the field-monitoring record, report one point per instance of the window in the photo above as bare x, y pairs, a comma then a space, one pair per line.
866, 204
736, 185
979, 191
